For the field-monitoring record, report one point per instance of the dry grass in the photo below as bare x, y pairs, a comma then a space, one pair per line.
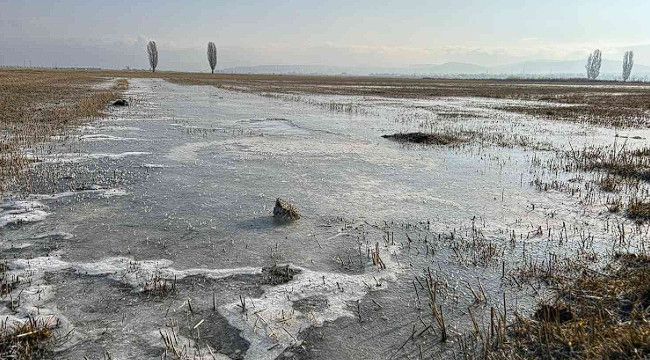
615, 161
426, 138
639, 211
608, 103
622, 175
28, 340
159, 286
620, 166
35, 105
596, 315
284, 211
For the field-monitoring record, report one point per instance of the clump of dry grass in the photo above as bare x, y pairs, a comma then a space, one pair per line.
622, 173
597, 315
28, 340
159, 286
284, 211
278, 274
638, 211
426, 138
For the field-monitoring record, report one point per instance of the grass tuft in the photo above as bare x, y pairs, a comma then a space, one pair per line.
639, 211
425, 138
27, 340
595, 316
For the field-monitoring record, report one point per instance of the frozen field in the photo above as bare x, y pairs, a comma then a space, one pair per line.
150, 232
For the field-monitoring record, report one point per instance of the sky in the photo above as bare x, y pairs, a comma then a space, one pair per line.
360, 33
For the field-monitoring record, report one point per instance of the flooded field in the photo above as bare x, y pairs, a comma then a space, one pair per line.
150, 234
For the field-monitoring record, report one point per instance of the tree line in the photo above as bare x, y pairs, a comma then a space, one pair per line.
593, 61
595, 58
152, 52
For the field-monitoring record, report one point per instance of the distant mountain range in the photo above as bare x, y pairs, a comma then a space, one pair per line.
610, 69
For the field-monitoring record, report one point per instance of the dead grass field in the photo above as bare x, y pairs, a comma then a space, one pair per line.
600, 102
603, 103
35, 105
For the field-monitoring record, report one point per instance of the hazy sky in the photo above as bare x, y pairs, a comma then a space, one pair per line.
334, 32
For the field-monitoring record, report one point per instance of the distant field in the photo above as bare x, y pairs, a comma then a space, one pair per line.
606, 103
601, 102
35, 104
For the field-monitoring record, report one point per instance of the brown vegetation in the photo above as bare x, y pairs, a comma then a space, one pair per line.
28, 340
614, 160
639, 210
425, 138
35, 105
610, 103
597, 315
284, 211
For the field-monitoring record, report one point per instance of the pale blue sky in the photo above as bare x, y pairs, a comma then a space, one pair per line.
336, 32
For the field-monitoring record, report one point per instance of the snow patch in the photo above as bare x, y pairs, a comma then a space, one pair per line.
272, 324
95, 189
77, 157
17, 212
154, 166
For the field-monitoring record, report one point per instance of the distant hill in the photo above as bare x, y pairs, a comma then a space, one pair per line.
564, 67
450, 68
610, 69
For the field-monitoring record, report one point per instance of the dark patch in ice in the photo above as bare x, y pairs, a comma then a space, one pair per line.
92, 349
312, 303
94, 303
216, 332
261, 223
114, 294
356, 264
41, 246
296, 352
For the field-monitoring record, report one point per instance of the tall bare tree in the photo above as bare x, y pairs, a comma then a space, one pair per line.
212, 56
152, 51
628, 62
593, 64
